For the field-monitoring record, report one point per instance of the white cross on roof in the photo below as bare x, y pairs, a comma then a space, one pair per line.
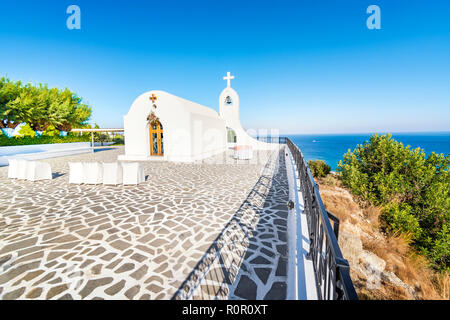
229, 77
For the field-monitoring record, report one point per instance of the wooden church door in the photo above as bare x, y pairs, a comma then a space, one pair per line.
156, 139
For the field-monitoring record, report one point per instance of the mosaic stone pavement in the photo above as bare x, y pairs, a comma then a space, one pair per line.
61, 241
248, 261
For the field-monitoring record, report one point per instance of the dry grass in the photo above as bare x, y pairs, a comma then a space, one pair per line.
372, 214
395, 250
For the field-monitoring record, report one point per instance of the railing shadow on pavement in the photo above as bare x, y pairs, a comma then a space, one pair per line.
217, 270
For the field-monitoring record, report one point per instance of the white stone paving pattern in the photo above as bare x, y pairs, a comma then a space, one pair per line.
210, 230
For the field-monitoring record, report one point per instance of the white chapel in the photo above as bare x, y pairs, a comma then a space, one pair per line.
161, 126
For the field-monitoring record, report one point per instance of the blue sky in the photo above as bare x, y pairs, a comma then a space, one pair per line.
301, 66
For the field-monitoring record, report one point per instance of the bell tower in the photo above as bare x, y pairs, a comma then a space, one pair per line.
229, 105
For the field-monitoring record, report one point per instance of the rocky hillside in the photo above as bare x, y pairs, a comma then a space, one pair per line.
382, 266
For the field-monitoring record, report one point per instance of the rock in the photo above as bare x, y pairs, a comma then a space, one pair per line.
125, 267
246, 288
130, 293
91, 285
56, 290
277, 292
260, 260
263, 274
14, 295
34, 293
115, 288
393, 279
282, 267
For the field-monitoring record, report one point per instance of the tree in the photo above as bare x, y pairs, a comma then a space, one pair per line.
412, 189
9, 92
81, 112
40, 107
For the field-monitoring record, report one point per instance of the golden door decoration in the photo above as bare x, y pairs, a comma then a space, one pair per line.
156, 139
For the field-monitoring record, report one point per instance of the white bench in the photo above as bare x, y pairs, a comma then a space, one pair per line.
37, 171
133, 173
243, 152
13, 169
44, 151
29, 170
92, 173
76, 173
106, 173
112, 173
22, 169
85, 172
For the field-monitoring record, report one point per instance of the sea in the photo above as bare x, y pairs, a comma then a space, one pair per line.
332, 147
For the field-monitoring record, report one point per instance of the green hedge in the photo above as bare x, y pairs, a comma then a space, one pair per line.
118, 140
16, 141
413, 189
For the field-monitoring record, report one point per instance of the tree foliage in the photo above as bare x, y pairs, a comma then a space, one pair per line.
319, 168
40, 107
412, 188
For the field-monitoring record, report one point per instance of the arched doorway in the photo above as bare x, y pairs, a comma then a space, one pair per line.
156, 139
231, 136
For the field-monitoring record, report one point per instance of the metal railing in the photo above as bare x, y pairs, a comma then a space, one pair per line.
280, 140
332, 271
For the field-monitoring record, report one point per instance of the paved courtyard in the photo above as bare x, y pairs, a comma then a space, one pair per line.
210, 230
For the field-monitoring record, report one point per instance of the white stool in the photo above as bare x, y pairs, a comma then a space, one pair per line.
13, 169
22, 169
243, 152
76, 172
38, 171
92, 173
112, 173
133, 173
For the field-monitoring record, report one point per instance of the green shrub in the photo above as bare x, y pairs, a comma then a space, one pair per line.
401, 218
319, 168
26, 131
118, 140
51, 132
20, 141
412, 189
330, 180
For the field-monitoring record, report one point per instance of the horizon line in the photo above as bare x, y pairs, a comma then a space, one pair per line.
367, 132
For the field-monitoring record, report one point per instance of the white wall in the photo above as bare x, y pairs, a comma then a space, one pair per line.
43, 151
28, 149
